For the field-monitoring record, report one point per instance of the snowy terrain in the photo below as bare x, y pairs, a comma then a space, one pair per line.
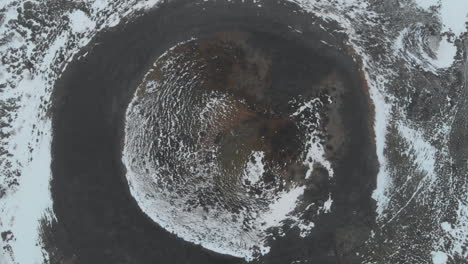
413, 55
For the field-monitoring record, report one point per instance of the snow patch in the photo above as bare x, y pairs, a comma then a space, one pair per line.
453, 16
80, 22
22, 210
315, 149
328, 204
424, 152
453, 13
282, 207
382, 115
439, 257
446, 52
255, 168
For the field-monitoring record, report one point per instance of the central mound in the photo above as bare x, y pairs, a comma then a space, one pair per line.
223, 137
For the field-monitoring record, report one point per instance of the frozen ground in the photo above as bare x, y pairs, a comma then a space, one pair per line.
414, 59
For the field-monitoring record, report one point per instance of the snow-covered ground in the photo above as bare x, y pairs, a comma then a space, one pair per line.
402, 63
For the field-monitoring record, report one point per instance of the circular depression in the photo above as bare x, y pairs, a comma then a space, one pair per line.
218, 119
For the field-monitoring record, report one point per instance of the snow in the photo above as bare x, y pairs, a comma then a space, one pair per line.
58, 43
456, 234
218, 233
255, 169
283, 206
453, 16
446, 226
147, 4
25, 205
446, 52
328, 204
443, 48
316, 151
426, 4
22, 210
424, 152
306, 229
453, 13
377, 85
25, 208
5, 3
382, 115
439, 257
80, 22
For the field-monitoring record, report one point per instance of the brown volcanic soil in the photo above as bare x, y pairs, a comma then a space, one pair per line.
100, 222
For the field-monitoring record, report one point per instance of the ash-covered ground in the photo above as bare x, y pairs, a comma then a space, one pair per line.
334, 132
